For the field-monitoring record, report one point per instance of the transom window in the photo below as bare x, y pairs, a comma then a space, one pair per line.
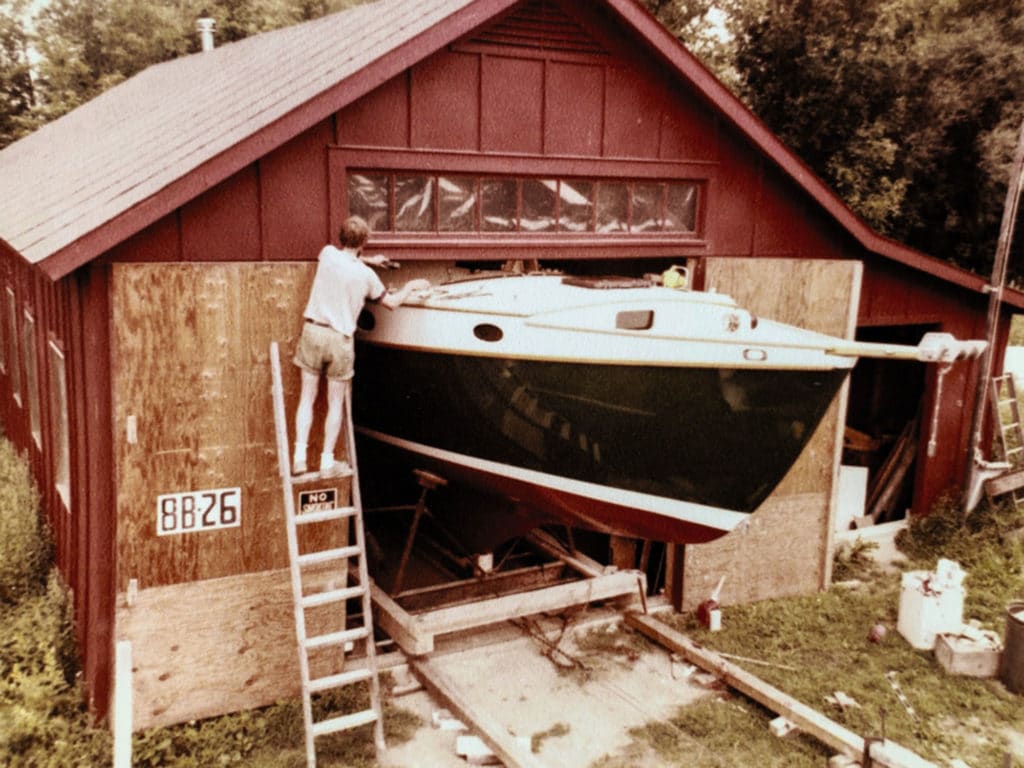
396, 201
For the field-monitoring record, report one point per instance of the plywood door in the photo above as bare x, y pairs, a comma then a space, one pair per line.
785, 546
193, 412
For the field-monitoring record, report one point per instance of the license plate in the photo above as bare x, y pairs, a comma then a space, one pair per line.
194, 511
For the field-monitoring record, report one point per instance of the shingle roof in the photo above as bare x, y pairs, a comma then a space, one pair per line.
80, 185
74, 175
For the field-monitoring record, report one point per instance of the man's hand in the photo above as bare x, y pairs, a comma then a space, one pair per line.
379, 260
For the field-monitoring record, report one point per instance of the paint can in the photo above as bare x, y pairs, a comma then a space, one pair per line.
1011, 665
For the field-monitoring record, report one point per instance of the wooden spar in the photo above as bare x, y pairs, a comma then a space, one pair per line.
995, 298
826, 730
934, 348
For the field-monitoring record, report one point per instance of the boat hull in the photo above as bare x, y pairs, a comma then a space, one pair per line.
674, 454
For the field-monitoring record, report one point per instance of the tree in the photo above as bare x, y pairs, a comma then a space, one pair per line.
87, 46
16, 92
908, 109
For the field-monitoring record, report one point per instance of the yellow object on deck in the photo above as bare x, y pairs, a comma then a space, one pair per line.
674, 277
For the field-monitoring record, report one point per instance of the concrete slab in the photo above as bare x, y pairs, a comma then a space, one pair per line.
584, 716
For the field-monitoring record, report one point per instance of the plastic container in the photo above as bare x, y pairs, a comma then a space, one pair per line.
925, 611
1011, 666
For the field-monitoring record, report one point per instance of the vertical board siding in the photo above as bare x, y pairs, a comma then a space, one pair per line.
574, 109
445, 101
512, 112
223, 224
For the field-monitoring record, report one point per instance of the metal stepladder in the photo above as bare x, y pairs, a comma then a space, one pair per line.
1006, 417
339, 569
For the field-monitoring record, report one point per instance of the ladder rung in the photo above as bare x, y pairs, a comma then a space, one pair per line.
323, 515
331, 596
336, 638
327, 555
340, 680
344, 723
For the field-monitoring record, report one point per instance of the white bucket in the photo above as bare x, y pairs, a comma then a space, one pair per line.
925, 612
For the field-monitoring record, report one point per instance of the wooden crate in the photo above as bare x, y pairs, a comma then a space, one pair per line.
966, 657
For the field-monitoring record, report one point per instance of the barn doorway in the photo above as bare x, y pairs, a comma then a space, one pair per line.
883, 422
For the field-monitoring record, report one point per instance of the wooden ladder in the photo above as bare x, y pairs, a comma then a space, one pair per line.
1006, 416
324, 517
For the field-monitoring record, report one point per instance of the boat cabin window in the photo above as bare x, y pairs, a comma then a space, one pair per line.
488, 332
635, 320
399, 201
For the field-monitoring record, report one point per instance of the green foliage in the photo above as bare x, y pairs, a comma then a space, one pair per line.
908, 109
25, 554
88, 46
16, 95
43, 721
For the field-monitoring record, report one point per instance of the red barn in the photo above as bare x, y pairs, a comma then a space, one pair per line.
154, 241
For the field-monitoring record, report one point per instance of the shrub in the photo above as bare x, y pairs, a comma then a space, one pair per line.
24, 546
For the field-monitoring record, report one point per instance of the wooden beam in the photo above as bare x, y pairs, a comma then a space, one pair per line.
493, 733
1011, 481
513, 606
399, 624
548, 544
493, 584
827, 731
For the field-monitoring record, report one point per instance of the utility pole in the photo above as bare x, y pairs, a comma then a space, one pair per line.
995, 297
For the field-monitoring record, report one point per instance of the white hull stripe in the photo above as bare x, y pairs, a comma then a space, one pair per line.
683, 511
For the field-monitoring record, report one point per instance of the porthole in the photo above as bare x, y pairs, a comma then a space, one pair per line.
755, 355
488, 332
366, 321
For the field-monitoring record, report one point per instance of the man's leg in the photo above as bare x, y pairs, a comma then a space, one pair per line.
304, 419
332, 423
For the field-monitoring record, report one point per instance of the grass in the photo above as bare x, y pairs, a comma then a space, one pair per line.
824, 639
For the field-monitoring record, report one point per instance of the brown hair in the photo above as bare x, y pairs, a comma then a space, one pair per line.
354, 233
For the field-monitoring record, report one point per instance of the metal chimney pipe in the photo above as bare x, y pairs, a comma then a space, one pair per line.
205, 27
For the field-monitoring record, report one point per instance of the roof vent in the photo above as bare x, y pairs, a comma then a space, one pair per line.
205, 26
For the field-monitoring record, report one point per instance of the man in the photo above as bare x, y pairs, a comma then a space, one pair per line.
341, 286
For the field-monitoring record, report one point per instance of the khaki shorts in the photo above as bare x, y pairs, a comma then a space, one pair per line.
325, 351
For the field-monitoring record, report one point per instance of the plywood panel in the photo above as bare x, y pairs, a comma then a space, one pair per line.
785, 546
193, 411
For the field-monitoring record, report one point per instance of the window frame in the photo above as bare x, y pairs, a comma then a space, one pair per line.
503, 244
13, 347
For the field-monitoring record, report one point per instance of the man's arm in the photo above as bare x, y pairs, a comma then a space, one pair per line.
392, 299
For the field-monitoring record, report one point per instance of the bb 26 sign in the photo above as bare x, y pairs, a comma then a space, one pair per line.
194, 511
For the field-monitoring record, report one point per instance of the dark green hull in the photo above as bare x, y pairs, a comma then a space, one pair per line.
721, 439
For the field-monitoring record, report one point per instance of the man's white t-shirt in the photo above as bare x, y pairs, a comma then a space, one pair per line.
341, 286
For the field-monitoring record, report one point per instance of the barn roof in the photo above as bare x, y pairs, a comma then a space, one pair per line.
87, 181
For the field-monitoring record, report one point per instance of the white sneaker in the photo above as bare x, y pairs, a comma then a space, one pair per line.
336, 469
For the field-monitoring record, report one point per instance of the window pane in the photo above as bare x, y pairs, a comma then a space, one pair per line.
414, 203
576, 206
368, 197
59, 426
681, 211
28, 343
457, 199
498, 205
612, 207
648, 206
538, 205
12, 350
